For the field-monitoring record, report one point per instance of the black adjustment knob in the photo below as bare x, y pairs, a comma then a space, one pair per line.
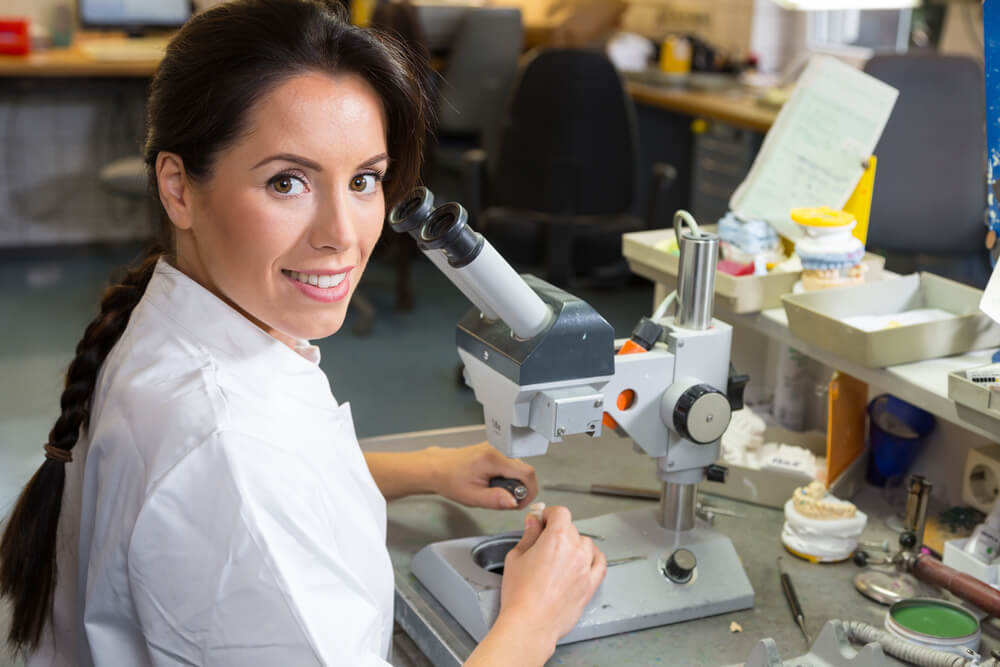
734, 388
702, 414
860, 557
716, 473
680, 566
646, 333
515, 487
907, 539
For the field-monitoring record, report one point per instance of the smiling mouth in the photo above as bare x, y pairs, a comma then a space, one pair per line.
321, 281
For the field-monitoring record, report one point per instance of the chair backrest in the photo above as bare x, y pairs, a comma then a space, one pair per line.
568, 143
930, 184
400, 20
481, 67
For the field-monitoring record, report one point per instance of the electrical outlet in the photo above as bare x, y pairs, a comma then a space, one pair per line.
981, 480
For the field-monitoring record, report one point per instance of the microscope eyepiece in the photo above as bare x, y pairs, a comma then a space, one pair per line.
411, 213
447, 229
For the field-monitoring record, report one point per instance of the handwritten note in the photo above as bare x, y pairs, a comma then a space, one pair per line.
815, 151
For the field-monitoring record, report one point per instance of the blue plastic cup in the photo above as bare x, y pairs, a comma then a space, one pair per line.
896, 431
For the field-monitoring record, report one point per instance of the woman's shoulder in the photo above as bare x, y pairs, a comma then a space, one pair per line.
156, 397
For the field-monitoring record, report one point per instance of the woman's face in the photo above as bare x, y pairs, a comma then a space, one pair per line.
283, 227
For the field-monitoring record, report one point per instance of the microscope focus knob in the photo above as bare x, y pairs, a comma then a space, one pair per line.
680, 566
702, 414
908, 539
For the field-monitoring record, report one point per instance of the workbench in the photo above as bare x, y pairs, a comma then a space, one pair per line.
736, 107
825, 591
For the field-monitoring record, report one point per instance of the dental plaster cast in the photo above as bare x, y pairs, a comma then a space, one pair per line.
821, 527
743, 445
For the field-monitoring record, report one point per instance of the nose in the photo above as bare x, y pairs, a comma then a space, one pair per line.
334, 226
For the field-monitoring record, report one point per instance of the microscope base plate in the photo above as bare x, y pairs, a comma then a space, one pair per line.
634, 595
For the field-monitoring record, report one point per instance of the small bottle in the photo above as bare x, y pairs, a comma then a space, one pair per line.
675, 56
985, 541
791, 389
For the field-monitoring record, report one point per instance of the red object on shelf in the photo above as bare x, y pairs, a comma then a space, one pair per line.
735, 268
14, 37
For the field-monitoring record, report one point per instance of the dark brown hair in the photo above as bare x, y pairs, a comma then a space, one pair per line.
215, 69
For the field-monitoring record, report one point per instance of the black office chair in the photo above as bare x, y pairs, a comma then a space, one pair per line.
477, 80
930, 185
563, 189
398, 19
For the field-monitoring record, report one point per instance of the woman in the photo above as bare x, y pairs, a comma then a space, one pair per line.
204, 500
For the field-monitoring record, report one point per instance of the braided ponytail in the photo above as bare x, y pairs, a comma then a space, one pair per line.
28, 546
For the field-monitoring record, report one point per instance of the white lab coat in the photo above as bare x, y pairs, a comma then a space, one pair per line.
218, 510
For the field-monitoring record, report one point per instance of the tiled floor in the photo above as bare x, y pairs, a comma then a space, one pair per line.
402, 377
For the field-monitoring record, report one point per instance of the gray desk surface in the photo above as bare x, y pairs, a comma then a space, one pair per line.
825, 591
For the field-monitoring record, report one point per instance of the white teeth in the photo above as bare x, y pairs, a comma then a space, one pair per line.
325, 281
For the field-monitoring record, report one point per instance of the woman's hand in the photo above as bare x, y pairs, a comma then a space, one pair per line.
549, 578
463, 475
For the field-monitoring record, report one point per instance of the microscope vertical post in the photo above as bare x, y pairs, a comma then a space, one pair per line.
677, 506
695, 296
696, 279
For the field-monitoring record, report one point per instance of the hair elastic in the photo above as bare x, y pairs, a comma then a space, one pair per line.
57, 454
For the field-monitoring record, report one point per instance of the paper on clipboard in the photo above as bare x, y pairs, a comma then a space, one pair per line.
990, 303
814, 153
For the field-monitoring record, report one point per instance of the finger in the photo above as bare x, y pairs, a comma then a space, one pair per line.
532, 529
527, 475
499, 498
558, 517
517, 469
529, 482
598, 569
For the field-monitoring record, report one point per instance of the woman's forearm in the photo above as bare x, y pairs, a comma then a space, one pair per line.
400, 474
509, 642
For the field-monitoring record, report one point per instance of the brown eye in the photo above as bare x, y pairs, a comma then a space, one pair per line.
363, 183
287, 184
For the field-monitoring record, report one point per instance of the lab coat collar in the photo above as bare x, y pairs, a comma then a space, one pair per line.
249, 352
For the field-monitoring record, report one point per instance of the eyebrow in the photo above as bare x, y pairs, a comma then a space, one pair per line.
309, 164
371, 162
290, 157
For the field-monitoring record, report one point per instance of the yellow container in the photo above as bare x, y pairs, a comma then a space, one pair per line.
675, 55
821, 216
361, 12
860, 203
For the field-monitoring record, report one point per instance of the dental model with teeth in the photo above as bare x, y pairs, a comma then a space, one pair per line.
814, 502
820, 527
204, 499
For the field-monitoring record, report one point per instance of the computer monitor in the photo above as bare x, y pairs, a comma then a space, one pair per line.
133, 16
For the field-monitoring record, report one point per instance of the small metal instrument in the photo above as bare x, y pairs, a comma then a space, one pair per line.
793, 602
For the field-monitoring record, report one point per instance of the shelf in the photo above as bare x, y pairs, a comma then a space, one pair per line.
922, 383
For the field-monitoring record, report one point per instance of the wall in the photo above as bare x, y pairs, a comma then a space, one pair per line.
777, 36
38, 11
723, 23
962, 32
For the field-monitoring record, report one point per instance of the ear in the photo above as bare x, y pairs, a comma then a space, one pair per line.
174, 188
